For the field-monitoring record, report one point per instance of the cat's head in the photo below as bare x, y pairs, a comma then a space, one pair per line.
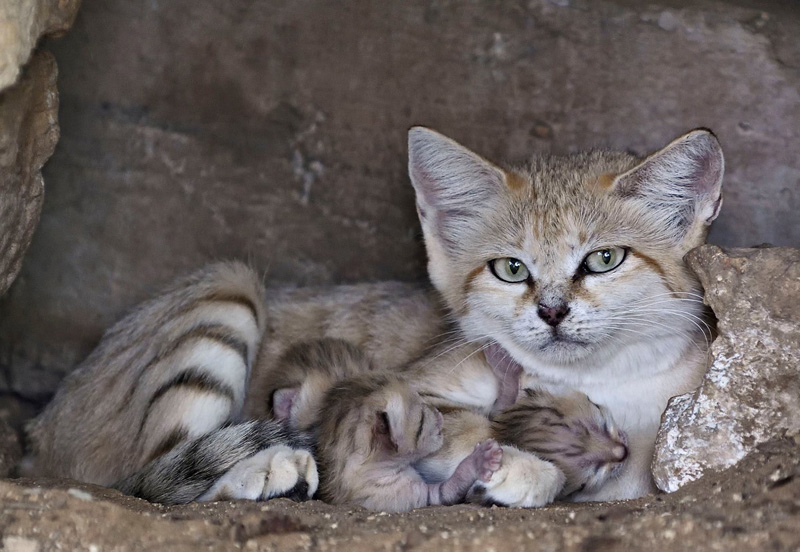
563, 260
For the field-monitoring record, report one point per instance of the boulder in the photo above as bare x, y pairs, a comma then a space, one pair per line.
751, 393
22, 23
28, 135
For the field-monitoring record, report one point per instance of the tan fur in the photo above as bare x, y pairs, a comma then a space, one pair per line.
639, 326
94, 429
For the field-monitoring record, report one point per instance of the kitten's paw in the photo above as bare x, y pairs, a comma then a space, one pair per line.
489, 457
278, 471
523, 481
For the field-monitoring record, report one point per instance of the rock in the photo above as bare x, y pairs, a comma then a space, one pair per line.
22, 23
28, 135
10, 450
753, 506
751, 393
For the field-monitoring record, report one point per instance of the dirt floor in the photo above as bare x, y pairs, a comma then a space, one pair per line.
753, 506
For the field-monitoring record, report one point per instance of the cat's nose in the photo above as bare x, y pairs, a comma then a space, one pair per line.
553, 315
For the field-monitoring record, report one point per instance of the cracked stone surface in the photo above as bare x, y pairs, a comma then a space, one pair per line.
753, 506
22, 24
751, 393
28, 135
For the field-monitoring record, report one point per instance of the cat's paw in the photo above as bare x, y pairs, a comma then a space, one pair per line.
488, 457
278, 471
523, 481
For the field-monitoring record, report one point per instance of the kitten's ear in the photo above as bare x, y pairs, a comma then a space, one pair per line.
681, 184
452, 185
282, 402
384, 432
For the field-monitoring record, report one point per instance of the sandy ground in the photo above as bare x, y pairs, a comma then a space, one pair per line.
753, 506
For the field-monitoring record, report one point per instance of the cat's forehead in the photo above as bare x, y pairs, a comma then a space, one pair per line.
568, 202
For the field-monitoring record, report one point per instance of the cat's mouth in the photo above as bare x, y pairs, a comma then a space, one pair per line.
559, 338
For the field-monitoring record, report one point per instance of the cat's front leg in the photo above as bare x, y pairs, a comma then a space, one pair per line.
522, 481
273, 472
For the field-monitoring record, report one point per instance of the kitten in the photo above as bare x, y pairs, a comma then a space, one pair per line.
571, 266
576, 435
568, 430
374, 428
304, 375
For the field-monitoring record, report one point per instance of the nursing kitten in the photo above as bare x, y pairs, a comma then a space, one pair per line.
570, 431
370, 430
313, 389
305, 374
571, 266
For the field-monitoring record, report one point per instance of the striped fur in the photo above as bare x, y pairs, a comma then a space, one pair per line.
183, 367
188, 471
174, 369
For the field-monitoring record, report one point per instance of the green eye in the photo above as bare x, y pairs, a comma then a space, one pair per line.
604, 260
509, 270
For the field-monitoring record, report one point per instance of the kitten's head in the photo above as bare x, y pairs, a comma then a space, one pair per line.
403, 426
570, 256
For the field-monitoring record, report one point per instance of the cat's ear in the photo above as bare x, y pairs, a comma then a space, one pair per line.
681, 184
452, 184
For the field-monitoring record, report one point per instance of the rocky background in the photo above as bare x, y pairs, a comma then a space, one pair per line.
275, 132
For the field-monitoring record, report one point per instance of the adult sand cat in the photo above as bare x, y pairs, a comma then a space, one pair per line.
572, 266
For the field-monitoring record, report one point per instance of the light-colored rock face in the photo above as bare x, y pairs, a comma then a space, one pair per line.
28, 135
752, 390
22, 23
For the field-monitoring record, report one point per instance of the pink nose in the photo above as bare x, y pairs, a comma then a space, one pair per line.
552, 315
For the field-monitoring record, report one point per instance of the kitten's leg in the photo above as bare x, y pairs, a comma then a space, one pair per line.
480, 465
508, 373
523, 480
253, 460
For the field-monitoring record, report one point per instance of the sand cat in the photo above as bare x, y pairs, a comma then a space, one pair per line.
571, 266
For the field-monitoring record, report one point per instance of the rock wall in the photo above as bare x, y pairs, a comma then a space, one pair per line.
28, 135
275, 132
751, 393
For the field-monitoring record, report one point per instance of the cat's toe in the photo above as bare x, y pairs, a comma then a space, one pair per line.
292, 474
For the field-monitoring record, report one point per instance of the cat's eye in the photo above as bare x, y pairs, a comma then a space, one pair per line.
509, 270
604, 260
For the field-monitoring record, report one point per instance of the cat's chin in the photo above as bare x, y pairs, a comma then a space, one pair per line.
560, 349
